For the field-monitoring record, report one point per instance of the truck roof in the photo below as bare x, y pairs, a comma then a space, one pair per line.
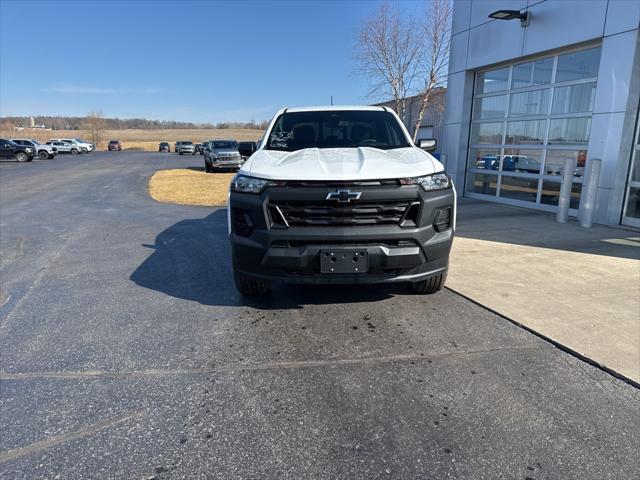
333, 107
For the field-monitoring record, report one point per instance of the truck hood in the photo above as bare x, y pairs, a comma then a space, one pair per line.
361, 163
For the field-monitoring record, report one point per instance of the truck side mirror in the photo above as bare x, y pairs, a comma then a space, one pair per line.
427, 144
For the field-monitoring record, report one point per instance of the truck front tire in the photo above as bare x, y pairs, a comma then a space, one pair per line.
43, 154
430, 285
250, 286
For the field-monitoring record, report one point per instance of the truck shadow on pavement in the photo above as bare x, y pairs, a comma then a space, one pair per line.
191, 260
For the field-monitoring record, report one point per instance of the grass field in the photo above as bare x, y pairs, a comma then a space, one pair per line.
139, 139
189, 187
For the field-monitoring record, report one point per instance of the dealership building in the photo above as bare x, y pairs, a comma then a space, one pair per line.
533, 83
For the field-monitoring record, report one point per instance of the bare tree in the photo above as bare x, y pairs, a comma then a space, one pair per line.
435, 60
387, 52
95, 123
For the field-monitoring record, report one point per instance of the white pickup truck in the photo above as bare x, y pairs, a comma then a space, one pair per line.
83, 146
340, 195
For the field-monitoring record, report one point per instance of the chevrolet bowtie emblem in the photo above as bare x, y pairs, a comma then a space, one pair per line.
343, 196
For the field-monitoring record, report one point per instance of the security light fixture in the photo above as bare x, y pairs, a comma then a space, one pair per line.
511, 15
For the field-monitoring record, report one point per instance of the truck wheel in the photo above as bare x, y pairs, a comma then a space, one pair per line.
43, 154
430, 285
250, 286
74, 151
22, 157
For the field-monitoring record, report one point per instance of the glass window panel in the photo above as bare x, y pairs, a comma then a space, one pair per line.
551, 193
484, 158
532, 73
578, 65
535, 102
569, 131
522, 160
492, 81
635, 172
574, 98
490, 107
556, 159
519, 188
633, 203
528, 131
482, 183
486, 132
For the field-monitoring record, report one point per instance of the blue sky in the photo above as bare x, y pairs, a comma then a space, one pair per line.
201, 61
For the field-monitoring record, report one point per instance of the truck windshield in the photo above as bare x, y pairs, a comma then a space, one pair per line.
223, 145
336, 129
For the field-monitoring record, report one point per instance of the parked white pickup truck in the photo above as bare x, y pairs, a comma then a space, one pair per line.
340, 195
81, 144
43, 151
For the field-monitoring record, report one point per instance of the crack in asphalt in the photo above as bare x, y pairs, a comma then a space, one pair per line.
255, 367
52, 259
65, 437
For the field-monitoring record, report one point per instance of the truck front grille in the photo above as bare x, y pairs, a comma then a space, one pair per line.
356, 214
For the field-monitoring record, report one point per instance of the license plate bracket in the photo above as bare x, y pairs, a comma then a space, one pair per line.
344, 261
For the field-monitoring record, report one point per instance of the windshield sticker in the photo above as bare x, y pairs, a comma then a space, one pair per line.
281, 139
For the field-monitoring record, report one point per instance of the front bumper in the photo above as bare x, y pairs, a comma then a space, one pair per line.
395, 254
223, 164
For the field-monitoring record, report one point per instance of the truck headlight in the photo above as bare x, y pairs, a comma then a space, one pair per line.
246, 184
429, 183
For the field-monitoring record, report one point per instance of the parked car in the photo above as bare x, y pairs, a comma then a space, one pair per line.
114, 145
41, 150
90, 146
246, 149
164, 147
186, 147
341, 195
488, 162
21, 153
222, 155
82, 145
65, 147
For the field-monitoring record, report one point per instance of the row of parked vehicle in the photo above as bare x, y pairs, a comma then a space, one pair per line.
25, 149
218, 154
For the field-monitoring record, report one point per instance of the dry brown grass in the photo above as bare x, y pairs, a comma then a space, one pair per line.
190, 187
137, 139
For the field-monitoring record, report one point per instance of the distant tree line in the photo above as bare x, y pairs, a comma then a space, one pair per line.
81, 123
251, 124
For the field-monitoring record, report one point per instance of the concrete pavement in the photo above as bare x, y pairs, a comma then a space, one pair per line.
577, 286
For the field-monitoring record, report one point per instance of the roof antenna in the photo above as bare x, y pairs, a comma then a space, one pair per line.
331, 99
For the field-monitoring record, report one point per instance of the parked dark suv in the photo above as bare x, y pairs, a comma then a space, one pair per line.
114, 145
246, 149
21, 153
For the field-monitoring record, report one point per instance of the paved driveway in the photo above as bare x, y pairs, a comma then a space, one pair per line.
126, 353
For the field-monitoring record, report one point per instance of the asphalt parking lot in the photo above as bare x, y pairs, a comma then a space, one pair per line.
127, 353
